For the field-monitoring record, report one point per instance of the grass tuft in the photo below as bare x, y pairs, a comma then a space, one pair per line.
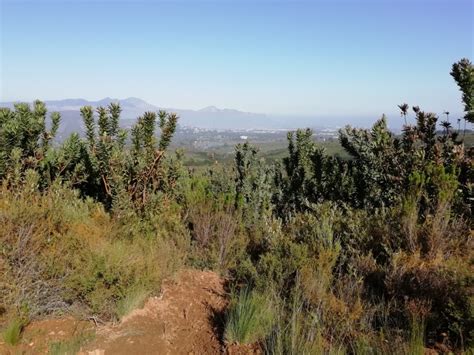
134, 299
417, 341
250, 318
70, 346
12, 333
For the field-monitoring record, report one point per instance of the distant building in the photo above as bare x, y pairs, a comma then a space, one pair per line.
244, 137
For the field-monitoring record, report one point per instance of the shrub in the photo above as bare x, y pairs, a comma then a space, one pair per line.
60, 251
217, 238
444, 285
23, 130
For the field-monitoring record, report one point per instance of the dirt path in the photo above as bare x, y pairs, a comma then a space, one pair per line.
182, 320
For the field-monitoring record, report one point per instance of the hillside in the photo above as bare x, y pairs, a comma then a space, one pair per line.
112, 242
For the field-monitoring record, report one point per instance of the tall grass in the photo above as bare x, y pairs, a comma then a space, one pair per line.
250, 318
293, 334
417, 338
12, 333
134, 299
296, 330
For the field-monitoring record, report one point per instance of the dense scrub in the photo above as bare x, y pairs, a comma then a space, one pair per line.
371, 254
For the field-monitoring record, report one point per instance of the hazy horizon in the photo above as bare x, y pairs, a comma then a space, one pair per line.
273, 57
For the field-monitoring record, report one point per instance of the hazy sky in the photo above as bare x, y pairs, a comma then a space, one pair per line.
308, 57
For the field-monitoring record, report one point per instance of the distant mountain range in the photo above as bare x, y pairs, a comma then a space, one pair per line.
209, 117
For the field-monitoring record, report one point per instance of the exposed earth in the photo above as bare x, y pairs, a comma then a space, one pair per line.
185, 319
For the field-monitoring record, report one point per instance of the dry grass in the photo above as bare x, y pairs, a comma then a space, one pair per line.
62, 253
217, 235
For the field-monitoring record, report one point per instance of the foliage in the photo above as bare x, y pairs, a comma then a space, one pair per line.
253, 184
463, 74
113, 173
357, 252
58, 249
24, 137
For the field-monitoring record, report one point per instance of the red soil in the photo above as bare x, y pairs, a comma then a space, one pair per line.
180, 321
184, 319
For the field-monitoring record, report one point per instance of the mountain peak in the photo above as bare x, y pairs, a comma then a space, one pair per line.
210, 109
134, 101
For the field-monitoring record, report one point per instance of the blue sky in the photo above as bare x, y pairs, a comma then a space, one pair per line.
347, 58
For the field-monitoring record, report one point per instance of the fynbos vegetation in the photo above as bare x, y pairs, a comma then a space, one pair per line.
371, 254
